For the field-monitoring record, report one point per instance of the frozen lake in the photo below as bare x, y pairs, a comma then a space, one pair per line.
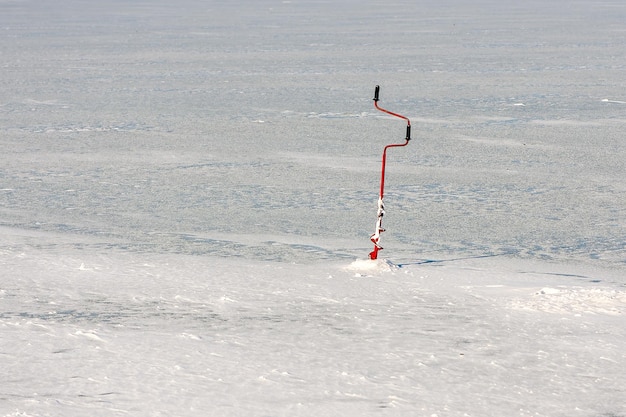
187, 191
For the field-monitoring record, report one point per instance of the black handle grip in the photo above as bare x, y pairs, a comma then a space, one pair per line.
408, 133
376, 91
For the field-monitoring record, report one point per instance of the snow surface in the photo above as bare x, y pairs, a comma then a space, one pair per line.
187, 189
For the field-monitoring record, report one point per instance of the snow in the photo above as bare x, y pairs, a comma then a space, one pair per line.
187, 190
157, 334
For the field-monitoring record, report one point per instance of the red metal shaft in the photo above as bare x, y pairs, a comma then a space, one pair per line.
382, 177
407, 139
390, 112
381, 211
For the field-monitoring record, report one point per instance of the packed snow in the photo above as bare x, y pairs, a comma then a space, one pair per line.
187, 191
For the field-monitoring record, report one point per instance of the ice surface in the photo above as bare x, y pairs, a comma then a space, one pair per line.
187, 190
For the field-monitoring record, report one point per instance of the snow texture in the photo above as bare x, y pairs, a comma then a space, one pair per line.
187, 190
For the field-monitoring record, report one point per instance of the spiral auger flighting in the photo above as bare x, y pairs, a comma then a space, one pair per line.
375, 238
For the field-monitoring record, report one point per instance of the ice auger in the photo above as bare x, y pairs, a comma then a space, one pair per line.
375, 238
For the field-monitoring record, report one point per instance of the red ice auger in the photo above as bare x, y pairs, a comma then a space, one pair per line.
375, 238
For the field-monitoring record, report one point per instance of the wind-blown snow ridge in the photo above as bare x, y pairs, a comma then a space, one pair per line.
606, 100
575, 301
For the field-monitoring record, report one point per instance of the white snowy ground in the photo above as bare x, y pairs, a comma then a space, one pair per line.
115, 333
187, 190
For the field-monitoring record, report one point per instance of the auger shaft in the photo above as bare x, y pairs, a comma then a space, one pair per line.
375, 238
